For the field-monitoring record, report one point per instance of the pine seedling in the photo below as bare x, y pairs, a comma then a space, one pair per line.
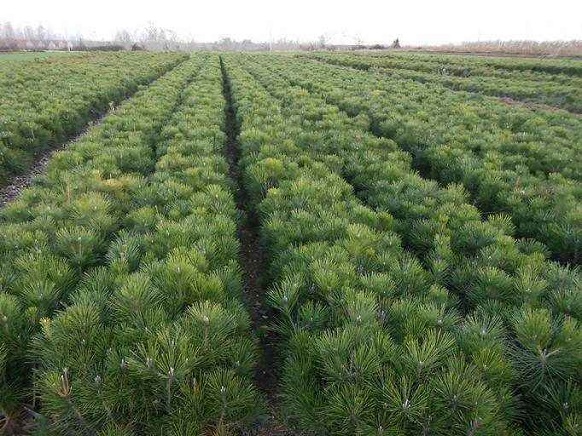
481, 330
346, 357
482, 338
401, 404
411, 278
15, 239
312, 317
138, 302
92, 211
75, 331
188, 419
3, 362
331, 275
162, 362
228, 272
96, 287
545, 348
463, 405
424, 235
142, 220
423, 355
428, 316
14, 325
441, 259
530, 246
394, 314
557, 405
284, 297
220, 249
440, 296
124, 254
302, 395
57, 394
382, 285
503, 223
170, 235
117, 430
42, 296
566, 302
492, 284
180, 276
230, 400
565, 297
82, 247
529, 286
215, 199
212, 324
472, 237
42, 280
241, 357
364, 244
347, 411
360, 308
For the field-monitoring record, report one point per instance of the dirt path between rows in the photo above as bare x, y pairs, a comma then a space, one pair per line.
22, 181
19, 182
253, 263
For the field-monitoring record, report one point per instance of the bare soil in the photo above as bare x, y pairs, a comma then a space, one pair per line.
253, 263
535, 106
41, 160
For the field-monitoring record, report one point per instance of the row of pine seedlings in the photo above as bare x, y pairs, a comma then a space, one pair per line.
556, 89
499, 280
510, 159
61, 227
402, 310
46, 102
120, 285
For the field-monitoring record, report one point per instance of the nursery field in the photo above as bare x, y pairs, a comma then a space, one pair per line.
558, 83
28, 56
47, 100
291, 244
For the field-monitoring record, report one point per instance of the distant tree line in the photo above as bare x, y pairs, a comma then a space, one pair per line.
521, 48
152, 37
30, 38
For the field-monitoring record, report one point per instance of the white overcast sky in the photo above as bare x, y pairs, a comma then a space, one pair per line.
341, 21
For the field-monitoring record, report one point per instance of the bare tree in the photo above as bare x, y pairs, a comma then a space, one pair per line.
28, 33
8, 36
124, 38
42, 36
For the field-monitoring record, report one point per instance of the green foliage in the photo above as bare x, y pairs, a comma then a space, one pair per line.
33, 95
153, 342
523, 80
402, 305
394, 316
512, 160
546, 348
